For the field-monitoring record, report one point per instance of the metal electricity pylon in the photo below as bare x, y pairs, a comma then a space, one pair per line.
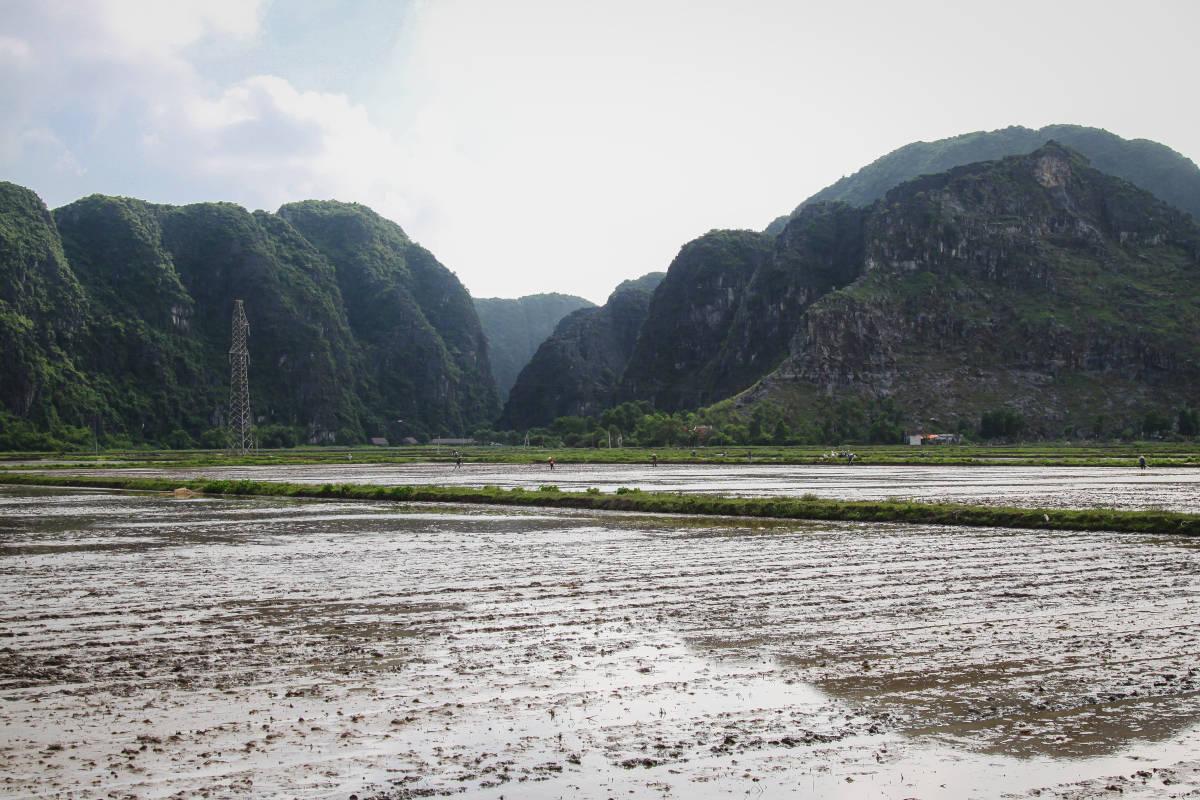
241, 437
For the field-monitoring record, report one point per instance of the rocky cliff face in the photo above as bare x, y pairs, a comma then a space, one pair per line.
729, 305
422, 344
1035, 282
673, 363
42, 310
352, 326
515, 328
576, 371
1148, 165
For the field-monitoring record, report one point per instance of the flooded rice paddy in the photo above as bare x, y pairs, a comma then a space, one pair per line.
152, 647
1169, 488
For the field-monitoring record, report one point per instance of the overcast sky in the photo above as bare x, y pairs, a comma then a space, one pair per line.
556, 146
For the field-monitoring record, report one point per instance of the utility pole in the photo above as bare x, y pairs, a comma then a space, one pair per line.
241, 438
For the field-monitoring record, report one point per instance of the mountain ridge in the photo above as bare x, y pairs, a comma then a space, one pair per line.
1145, 163
1033, 283
575, 372
516, 327
995, 268
145, 356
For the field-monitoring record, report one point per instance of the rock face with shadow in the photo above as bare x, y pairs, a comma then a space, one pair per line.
515, 328
577, 370
1036, 283
725, 313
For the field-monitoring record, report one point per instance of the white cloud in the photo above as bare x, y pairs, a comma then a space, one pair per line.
14, 53
135, 28
45, 145
280, 142
83, 79
577, 144
118, 76
557, 145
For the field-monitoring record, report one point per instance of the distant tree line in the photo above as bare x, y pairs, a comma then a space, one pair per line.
639, 425
846, 421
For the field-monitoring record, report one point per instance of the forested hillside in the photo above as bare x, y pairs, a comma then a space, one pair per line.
1148, 165
116, 314
576, 371
515, 328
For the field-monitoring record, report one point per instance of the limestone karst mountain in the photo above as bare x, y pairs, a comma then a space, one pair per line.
1033, 282
1060, 283
515, 328
1146, 164
114, 319
576, 371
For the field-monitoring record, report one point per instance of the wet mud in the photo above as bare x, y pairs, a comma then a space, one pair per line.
1169, 489
202, 647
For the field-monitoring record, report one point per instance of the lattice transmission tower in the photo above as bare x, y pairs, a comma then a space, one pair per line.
241, 436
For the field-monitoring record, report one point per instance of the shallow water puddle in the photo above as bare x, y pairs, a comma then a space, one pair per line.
1169, 488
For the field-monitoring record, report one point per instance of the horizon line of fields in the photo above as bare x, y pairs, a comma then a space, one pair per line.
636, 500
1066, 454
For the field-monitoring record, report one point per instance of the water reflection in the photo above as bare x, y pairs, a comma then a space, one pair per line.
312, 648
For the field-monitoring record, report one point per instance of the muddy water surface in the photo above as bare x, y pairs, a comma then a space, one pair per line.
1175, 488
151, 647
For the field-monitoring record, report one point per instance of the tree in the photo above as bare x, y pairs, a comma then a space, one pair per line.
1155, 423
1188, 422
1001, 423
565, 426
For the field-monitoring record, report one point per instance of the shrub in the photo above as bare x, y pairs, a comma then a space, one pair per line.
1189, 422
277, 436
1001, 423
214, 439
178, 439
1155, 423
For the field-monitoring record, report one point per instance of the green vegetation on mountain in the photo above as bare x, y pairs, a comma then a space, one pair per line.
676, 360
1148, 165
424, 353
1034, 295
725, 313
43, 315
118, 315
576, 371
1035, 283
516, 328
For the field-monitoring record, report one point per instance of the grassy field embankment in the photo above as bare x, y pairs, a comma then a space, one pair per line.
803, 508
1060, 454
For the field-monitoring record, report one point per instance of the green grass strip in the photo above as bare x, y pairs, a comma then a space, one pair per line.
1160, 454
806, 508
